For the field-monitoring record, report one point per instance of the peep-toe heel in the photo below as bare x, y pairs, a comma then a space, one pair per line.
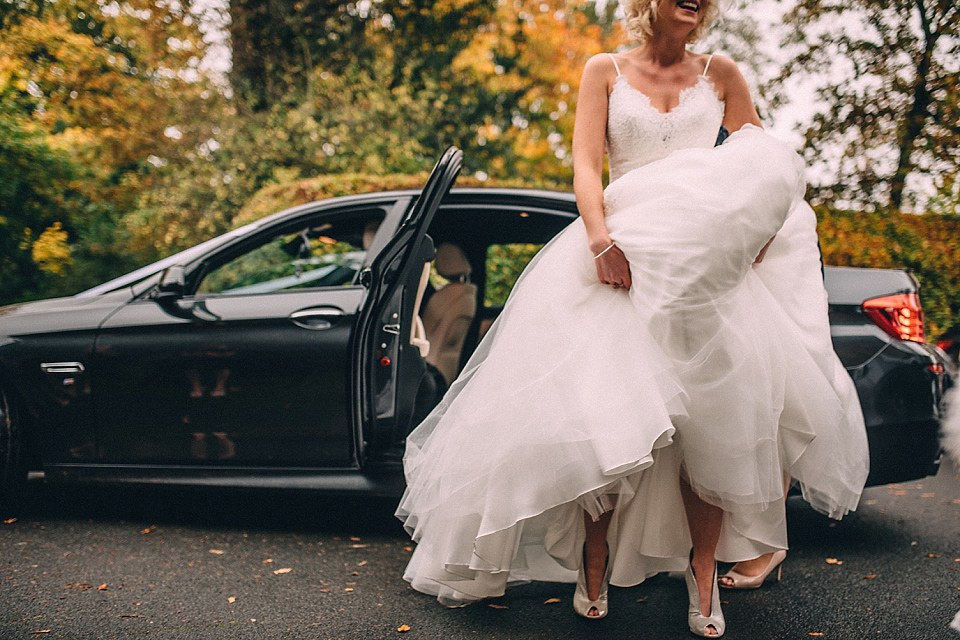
740, 581
697, 621
582, 603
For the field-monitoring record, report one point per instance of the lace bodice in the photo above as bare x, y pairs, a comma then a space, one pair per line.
637, 133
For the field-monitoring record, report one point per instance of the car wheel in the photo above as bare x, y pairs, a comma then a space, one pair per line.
13, 474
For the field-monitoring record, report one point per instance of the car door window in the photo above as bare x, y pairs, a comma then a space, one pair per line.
328, 253
505, 262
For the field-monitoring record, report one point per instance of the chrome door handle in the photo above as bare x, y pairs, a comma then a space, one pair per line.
322, 318
61, 367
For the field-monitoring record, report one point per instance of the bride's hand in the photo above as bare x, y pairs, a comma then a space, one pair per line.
614, 269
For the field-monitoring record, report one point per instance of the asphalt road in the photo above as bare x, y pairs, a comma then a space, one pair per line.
131, 564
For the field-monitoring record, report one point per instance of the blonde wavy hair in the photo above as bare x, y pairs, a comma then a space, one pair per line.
639, 16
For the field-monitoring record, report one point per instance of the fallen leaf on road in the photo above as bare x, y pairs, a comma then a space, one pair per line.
324, 590
498, 606
348, 589
834, 561
149, 529
899, 493
231, 599
10, 521
870, 576
411, 548
403, 628
36, 633
218, 552
933, 555
551, 601
268, 561
281, 571
643, 599
927, 495
102, 587
355, 538
361, 563
83, 586
815, 633
359, 546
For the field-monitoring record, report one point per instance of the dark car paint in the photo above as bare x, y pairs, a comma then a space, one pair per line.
295, 415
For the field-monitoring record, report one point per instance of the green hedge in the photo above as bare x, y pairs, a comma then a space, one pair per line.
928, 245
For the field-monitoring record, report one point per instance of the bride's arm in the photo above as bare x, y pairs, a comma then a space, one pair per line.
589, 141
738, 110
732, 87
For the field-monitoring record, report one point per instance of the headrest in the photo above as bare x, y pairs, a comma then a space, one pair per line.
369, 232
451, 262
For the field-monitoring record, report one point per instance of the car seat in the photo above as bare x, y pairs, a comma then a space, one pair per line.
450, 311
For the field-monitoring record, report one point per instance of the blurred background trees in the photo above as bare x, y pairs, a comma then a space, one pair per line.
132, 129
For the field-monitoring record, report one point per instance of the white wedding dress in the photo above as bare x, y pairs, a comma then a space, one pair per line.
582, 397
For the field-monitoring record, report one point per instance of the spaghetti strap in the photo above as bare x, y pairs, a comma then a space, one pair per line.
617, 67
705, 67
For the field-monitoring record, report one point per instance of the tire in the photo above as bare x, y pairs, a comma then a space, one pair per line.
13, 473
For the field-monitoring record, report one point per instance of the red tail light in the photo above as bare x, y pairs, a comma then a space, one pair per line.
899, 315
945, 343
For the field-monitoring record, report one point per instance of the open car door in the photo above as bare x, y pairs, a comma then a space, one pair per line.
390, 372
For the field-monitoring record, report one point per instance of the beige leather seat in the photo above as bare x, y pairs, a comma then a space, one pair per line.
450, 311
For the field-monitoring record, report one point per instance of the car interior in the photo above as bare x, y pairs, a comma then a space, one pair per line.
480, 253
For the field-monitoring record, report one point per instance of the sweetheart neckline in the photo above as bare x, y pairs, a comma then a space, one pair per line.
683, 92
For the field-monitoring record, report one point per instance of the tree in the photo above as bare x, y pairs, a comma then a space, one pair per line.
889, 76
111, 94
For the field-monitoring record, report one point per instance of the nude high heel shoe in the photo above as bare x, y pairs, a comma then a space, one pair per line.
582, 603
697, 621
740, 581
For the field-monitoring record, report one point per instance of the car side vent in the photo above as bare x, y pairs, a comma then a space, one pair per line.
900, 315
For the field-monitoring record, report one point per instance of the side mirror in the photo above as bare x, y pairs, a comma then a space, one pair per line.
172, 285
173, 282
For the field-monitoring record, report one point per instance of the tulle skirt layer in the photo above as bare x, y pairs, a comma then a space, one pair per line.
582, 397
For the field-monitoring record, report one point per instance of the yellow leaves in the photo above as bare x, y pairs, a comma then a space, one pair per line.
403, 628
148, 530
834, 561
51, 252
9, 521
551, 601
82, 586
279, 572
102, 587
232, 599
217, 552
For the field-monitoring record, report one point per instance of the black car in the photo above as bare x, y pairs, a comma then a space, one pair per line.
876, 322
299, 351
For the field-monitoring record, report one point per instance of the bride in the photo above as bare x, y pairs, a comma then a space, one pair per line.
659, 368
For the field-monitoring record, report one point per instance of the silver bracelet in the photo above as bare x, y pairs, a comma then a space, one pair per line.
612, 245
